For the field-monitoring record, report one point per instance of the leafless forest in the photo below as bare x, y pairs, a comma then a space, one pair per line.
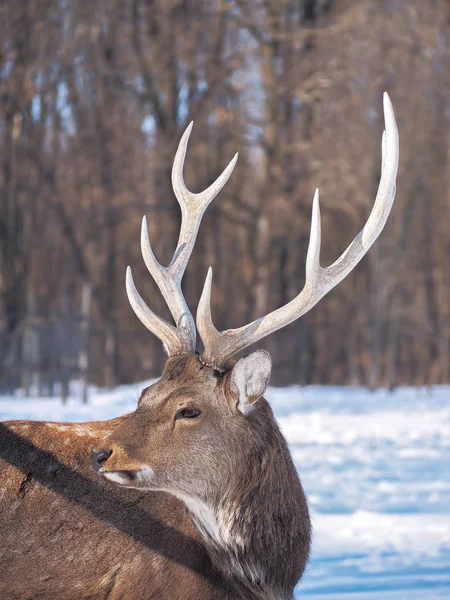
94, 97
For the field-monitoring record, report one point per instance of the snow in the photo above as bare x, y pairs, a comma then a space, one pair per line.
375, 467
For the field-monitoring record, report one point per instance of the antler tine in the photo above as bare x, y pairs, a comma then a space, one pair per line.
221, 346
159, 327
181, 338
186, 198
192, 205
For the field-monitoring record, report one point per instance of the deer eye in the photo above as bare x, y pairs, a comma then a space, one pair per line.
187, 413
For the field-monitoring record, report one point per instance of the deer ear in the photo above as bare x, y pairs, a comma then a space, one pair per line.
249, 379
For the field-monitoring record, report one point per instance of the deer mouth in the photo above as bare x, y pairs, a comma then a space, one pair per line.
135, 478
126, 478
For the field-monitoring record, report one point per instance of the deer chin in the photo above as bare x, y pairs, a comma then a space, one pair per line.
139, 478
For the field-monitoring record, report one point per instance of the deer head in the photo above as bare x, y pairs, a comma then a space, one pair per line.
193, 421
203, 432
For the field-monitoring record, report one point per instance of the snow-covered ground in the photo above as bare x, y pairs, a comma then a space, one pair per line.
376, 468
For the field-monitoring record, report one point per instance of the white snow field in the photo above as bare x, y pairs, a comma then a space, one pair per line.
375, 467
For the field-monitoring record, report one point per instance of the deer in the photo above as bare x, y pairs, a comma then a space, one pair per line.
194, 495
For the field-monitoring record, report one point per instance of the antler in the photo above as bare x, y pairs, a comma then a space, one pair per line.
221, 346
179, 339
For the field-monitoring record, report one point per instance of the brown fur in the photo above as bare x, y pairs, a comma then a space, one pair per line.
68, 534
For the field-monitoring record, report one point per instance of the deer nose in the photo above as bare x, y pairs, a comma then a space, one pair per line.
98, 458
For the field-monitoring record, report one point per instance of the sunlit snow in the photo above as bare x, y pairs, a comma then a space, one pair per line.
375, 467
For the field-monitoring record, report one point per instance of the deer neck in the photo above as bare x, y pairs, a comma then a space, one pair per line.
257, 529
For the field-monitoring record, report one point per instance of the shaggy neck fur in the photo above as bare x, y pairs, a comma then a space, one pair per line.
257, 530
